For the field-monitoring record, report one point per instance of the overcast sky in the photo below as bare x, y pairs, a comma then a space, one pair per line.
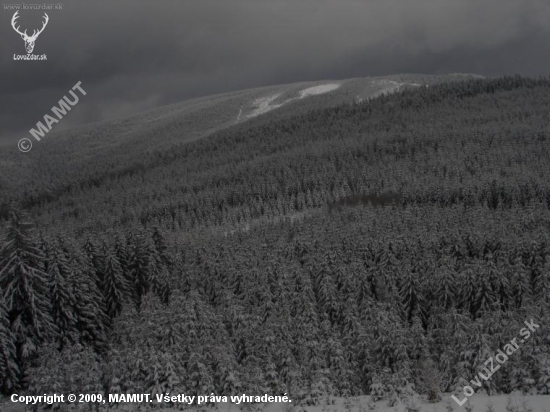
132, 55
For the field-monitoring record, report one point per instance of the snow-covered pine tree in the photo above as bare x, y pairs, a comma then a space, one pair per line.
61, 296
9, 370
138, 257
501, 280
162, 375
115, 286
90, 308
121, 251
485, 297
446, 284
522, 291
74, 369
200, 377
95, 260
340, 370
157, 273
273, 384
540, 278
365, 294
160, 247
449, 345
325, 293
226, 381
163, 288
43, 246
87, 302
411, 294
25, 286
468, 290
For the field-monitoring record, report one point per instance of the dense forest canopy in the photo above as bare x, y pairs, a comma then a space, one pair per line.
377, 248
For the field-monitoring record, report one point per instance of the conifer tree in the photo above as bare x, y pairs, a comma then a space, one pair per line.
468, 292
61, 296
90, 309
25, 286
411, 295
160, 247
520, 287
9, 370
122, 253
485, 297
501, 283
83, 282
326, 295
138, 257
115, 286
200, 377
95, 260
446, 286
157, 273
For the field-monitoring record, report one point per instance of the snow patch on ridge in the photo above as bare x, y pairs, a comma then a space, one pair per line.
265, 104
323, 88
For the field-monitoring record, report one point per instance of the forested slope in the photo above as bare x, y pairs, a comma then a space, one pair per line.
93, 153
467, 143
376, 248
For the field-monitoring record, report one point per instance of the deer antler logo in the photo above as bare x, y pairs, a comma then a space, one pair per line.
29, 40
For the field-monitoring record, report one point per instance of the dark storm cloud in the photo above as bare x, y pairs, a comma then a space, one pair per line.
135, 55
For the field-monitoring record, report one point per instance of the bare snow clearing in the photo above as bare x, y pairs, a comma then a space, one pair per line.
265, 104
315, 90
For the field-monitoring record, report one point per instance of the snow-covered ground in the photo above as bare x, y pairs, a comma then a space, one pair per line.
266, 103
323, 88
272, 101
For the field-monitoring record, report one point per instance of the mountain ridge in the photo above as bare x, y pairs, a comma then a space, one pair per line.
116, 144
92, 154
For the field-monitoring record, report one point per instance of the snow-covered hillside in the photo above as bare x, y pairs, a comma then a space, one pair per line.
120, 143
265, 104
